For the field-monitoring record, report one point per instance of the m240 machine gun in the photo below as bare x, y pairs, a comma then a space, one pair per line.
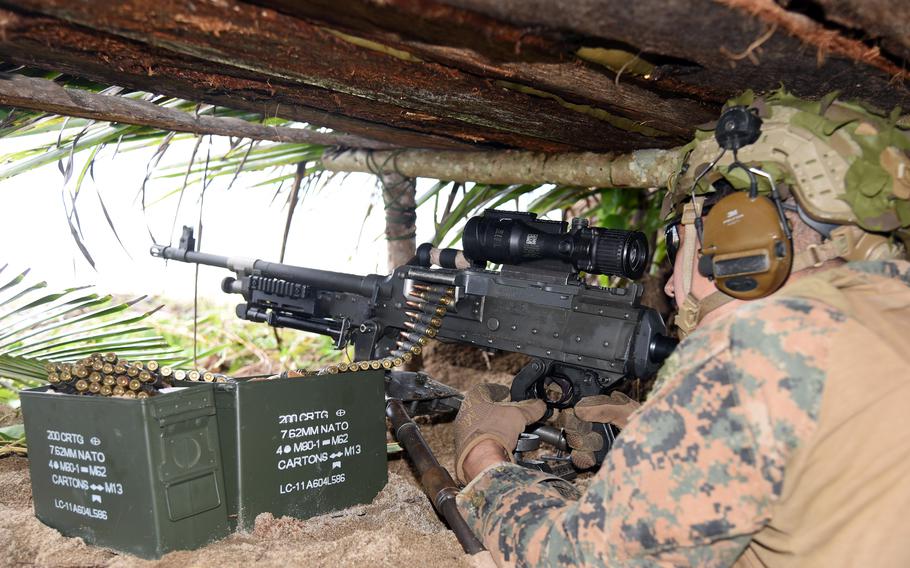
582, 339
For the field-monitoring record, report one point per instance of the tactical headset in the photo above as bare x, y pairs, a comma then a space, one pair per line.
746, 243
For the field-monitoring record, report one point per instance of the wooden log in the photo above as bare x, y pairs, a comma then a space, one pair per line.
431, 22
482, 46
639, 169
272, 44
48, 43
885, 20
47, 96
399, 198
712, 43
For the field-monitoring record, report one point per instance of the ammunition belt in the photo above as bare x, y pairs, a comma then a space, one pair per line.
429, 304
106, 374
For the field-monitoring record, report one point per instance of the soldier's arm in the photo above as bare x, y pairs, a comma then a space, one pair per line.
693, 475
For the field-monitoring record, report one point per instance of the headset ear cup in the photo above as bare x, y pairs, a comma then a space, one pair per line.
706, 266
745, 237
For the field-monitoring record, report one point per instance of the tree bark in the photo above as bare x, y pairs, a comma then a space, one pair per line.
719, 36
46, 96
486, 47
399, 195
886, 19
642, 168
53, 45
274, 45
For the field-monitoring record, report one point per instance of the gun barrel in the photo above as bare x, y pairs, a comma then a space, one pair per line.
325, 279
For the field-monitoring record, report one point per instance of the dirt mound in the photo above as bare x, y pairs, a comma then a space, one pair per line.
399, 528
461, 366
23, 538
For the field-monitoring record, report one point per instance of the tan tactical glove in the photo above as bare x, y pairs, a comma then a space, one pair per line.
486, 414
614, 408
580, 437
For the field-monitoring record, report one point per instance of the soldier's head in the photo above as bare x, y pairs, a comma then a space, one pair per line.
780, 187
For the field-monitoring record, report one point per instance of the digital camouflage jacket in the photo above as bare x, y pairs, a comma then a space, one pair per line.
777, 435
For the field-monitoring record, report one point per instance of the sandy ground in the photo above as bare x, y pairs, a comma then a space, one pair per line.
399, 528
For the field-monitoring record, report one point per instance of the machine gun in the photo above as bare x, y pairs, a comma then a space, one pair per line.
582, 339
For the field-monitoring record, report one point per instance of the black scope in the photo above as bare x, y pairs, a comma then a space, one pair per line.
507, 237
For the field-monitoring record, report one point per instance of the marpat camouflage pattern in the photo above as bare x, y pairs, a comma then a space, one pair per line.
701, 466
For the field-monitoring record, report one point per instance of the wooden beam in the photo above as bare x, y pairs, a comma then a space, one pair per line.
432, 22
484, 47
639, 169
712, 43
48, 43
399, 197
828, 41
274, 45
884, 21
47, 96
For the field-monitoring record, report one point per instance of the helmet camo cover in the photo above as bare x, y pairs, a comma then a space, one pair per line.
844, 163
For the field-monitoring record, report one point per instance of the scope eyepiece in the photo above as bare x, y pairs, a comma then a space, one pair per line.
507, 237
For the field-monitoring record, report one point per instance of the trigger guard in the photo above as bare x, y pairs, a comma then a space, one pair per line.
568, 392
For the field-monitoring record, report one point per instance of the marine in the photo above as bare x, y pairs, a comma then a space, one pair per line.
777, 434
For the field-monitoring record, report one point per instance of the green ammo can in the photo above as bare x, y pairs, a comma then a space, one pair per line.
139, 476
303, 446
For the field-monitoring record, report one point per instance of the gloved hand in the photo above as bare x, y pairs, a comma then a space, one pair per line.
487, 414
614, 408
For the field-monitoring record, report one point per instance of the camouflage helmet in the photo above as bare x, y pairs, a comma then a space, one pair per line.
844, 164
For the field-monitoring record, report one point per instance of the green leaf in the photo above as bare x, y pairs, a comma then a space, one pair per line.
88, 331
68, 307
47, 299
432, 192
20, 294
17, 279
12, 433
108, 134
64, 326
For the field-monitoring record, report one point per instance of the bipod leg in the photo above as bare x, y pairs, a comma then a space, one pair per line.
435, 480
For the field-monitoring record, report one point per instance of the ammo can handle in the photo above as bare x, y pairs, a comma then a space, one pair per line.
435, 479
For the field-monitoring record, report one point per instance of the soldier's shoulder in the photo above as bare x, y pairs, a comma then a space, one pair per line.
770, 325
790, 333
775, 350
897, 269
781, 315
751, 321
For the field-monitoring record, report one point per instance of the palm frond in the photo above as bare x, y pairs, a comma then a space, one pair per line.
50, 139
37, 327
608, 207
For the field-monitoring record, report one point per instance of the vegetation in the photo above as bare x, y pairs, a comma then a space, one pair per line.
453, 202
39, 326
240, 348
